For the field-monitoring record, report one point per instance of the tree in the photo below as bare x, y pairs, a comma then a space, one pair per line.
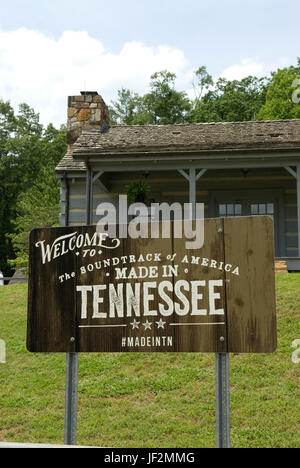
230, 101
165, 105
125, 110
37, 207
279, 102
7, 127
25, 148
202, 81
53, 145
162, 105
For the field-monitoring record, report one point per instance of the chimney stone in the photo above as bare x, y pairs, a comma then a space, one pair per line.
85, 112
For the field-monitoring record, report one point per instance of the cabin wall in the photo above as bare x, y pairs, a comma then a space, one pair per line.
256, 185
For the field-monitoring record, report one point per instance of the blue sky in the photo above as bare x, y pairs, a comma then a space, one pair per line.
51, 48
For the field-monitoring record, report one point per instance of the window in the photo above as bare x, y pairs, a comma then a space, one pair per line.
228, 204
262, 209
230, 209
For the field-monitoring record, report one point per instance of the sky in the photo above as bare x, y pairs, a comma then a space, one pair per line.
50, 49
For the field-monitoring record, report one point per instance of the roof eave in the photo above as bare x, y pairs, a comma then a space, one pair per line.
244, 156
83, 156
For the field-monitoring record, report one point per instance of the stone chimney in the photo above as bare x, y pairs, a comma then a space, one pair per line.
86, 112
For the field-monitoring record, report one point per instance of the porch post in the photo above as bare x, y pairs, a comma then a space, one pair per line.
89, 196
192, 178
192, 191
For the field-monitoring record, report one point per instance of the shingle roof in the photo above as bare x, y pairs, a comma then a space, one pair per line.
160, 139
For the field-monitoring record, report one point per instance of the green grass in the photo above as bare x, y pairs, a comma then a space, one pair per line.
151, 400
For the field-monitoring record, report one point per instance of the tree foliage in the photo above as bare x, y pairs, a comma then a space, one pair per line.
160, 106
163, 104
230, 101
279, 102
25, 149
222, 100
36, 207
202, 81
126, 109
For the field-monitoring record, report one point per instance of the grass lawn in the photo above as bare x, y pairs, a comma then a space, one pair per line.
158, 400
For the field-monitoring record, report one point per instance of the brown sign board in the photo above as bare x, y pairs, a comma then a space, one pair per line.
91, 294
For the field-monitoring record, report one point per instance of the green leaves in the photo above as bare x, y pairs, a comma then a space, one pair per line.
166, 105
137, 191
37, 207
250, 98
279, 103
203, 81
231, 101
26, 149
162, 105
126, 109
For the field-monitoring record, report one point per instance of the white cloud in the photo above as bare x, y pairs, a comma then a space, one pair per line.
245, 68
43, 71
254, 67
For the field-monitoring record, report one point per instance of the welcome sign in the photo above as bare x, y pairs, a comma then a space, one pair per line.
91, 293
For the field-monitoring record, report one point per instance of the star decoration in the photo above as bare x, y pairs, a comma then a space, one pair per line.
160, 324
147, 325
134, 324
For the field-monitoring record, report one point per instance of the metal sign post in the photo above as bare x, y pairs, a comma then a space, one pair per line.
222, 400
71, 396
221, 359
70, 436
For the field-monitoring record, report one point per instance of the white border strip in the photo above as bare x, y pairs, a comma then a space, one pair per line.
100, 326
194, 323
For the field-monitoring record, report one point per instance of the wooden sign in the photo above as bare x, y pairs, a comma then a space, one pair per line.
88, 293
